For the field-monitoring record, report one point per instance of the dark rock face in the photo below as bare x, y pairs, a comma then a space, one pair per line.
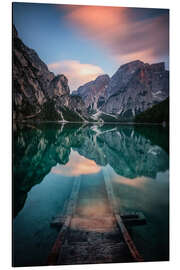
58, 87
31, 79
135, 87
93, 93
37, 92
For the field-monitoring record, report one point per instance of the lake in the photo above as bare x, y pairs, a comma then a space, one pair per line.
47, 160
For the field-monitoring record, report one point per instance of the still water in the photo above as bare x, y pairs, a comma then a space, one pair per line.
48, 158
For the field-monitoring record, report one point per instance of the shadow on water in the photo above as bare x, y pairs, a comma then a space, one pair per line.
158, 135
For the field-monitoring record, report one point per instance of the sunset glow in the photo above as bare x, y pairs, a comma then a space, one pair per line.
125, 36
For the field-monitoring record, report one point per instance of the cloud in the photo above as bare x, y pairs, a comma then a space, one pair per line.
77, 165
127, 33
76, 72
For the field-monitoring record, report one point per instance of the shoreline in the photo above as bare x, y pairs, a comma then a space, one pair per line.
92, 123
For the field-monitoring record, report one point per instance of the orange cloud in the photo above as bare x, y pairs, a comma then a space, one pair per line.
94, 19
123, 31
77, 165
76, 72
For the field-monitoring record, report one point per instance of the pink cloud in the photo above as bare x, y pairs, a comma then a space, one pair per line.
76, 72
121, 33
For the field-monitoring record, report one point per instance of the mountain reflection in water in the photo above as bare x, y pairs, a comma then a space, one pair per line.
39, 149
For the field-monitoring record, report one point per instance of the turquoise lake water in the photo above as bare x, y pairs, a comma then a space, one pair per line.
48, 158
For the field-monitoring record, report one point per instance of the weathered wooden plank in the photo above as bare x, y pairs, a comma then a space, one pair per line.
127, 238
85, 253
129, 219
134, 252
56, 249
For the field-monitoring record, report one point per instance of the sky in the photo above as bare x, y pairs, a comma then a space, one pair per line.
83, 42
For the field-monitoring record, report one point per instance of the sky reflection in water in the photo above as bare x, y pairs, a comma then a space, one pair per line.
76, 165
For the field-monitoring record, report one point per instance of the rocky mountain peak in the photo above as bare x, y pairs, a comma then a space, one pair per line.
122, 76
132, 64
93, 92
135, 87
103, 77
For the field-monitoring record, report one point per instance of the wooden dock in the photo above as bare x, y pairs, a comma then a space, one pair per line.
56, 250
98, 238
127, 238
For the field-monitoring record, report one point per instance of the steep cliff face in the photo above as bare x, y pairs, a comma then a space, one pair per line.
58, 87
37, 92
135, 87
93, 93
30, 80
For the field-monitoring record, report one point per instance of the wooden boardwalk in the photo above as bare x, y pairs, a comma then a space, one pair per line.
100, 238
127, 238
56, 250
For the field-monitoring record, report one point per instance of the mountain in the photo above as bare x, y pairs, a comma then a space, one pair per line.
40, 95
159, 113
134, 88
37, 93
93, 92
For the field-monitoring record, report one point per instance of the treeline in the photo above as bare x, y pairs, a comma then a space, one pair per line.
157, 114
